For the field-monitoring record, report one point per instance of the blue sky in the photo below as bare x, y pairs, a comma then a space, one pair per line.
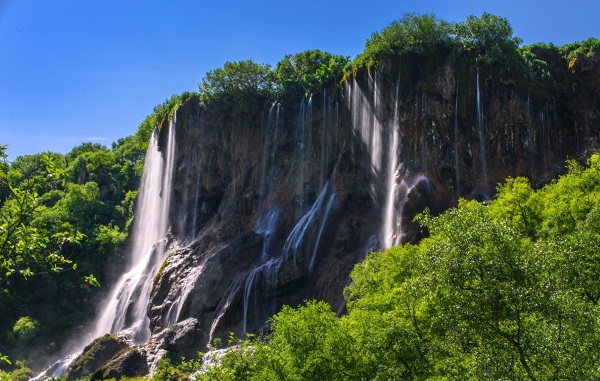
73, 71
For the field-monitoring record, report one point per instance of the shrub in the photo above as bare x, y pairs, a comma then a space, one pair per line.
308, 71
25, 328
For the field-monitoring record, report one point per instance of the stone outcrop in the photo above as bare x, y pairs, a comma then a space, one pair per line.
95, 356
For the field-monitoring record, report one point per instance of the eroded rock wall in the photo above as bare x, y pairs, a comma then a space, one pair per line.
276, 205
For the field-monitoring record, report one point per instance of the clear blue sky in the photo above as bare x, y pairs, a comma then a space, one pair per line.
73, 71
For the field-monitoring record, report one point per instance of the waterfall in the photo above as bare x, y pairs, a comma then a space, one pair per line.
266, 226
267, 271
296, 237
331, 206
544, 116
480, 132
306, 238
302, 150
390, 211
324, 133
456, 156
424, 150
265, 171
125, 307
274, 145
366, 118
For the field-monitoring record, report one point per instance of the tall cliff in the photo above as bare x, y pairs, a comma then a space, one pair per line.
276, 205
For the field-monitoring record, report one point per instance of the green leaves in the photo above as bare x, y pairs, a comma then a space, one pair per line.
238, 82
312, 70
490, 36
412, 33
243, 83
507, 290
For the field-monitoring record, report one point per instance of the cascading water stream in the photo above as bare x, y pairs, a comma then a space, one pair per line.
265, 170
329, 209
480, 132
303, 148
324, 133
125, 308
296, 237
456, 156
389, 223
544, 119
268, 271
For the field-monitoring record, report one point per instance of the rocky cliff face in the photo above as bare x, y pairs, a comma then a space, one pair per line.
275, 206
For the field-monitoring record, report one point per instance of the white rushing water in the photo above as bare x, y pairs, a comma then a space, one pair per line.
456, 155
389, 223
125, 307
480, 132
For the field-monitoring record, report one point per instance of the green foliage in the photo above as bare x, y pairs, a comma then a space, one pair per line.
491, 37
21, 373
24, 248
239, 83
586, 48
171, 367
539, 60
25, 328
488, 38
311, 70
412, 33
308, 343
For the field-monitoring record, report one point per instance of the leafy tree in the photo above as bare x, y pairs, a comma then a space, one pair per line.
23, 247
412, 33
578, 50
311, 70
240, 83
25, 328
491, 37
308, 343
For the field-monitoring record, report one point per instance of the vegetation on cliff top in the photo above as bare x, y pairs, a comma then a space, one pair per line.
489, 39
246, 84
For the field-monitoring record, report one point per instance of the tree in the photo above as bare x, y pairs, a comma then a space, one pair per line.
412, 33
23, 247
491, 37
240, 83
308, 71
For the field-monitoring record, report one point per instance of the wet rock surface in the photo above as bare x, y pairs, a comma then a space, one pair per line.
95, 356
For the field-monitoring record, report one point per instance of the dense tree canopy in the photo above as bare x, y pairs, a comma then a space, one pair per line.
308, 71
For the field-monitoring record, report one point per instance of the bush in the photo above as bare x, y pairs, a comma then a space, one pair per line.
238, 83
25, 328
412, 33
308, 71
491, 37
